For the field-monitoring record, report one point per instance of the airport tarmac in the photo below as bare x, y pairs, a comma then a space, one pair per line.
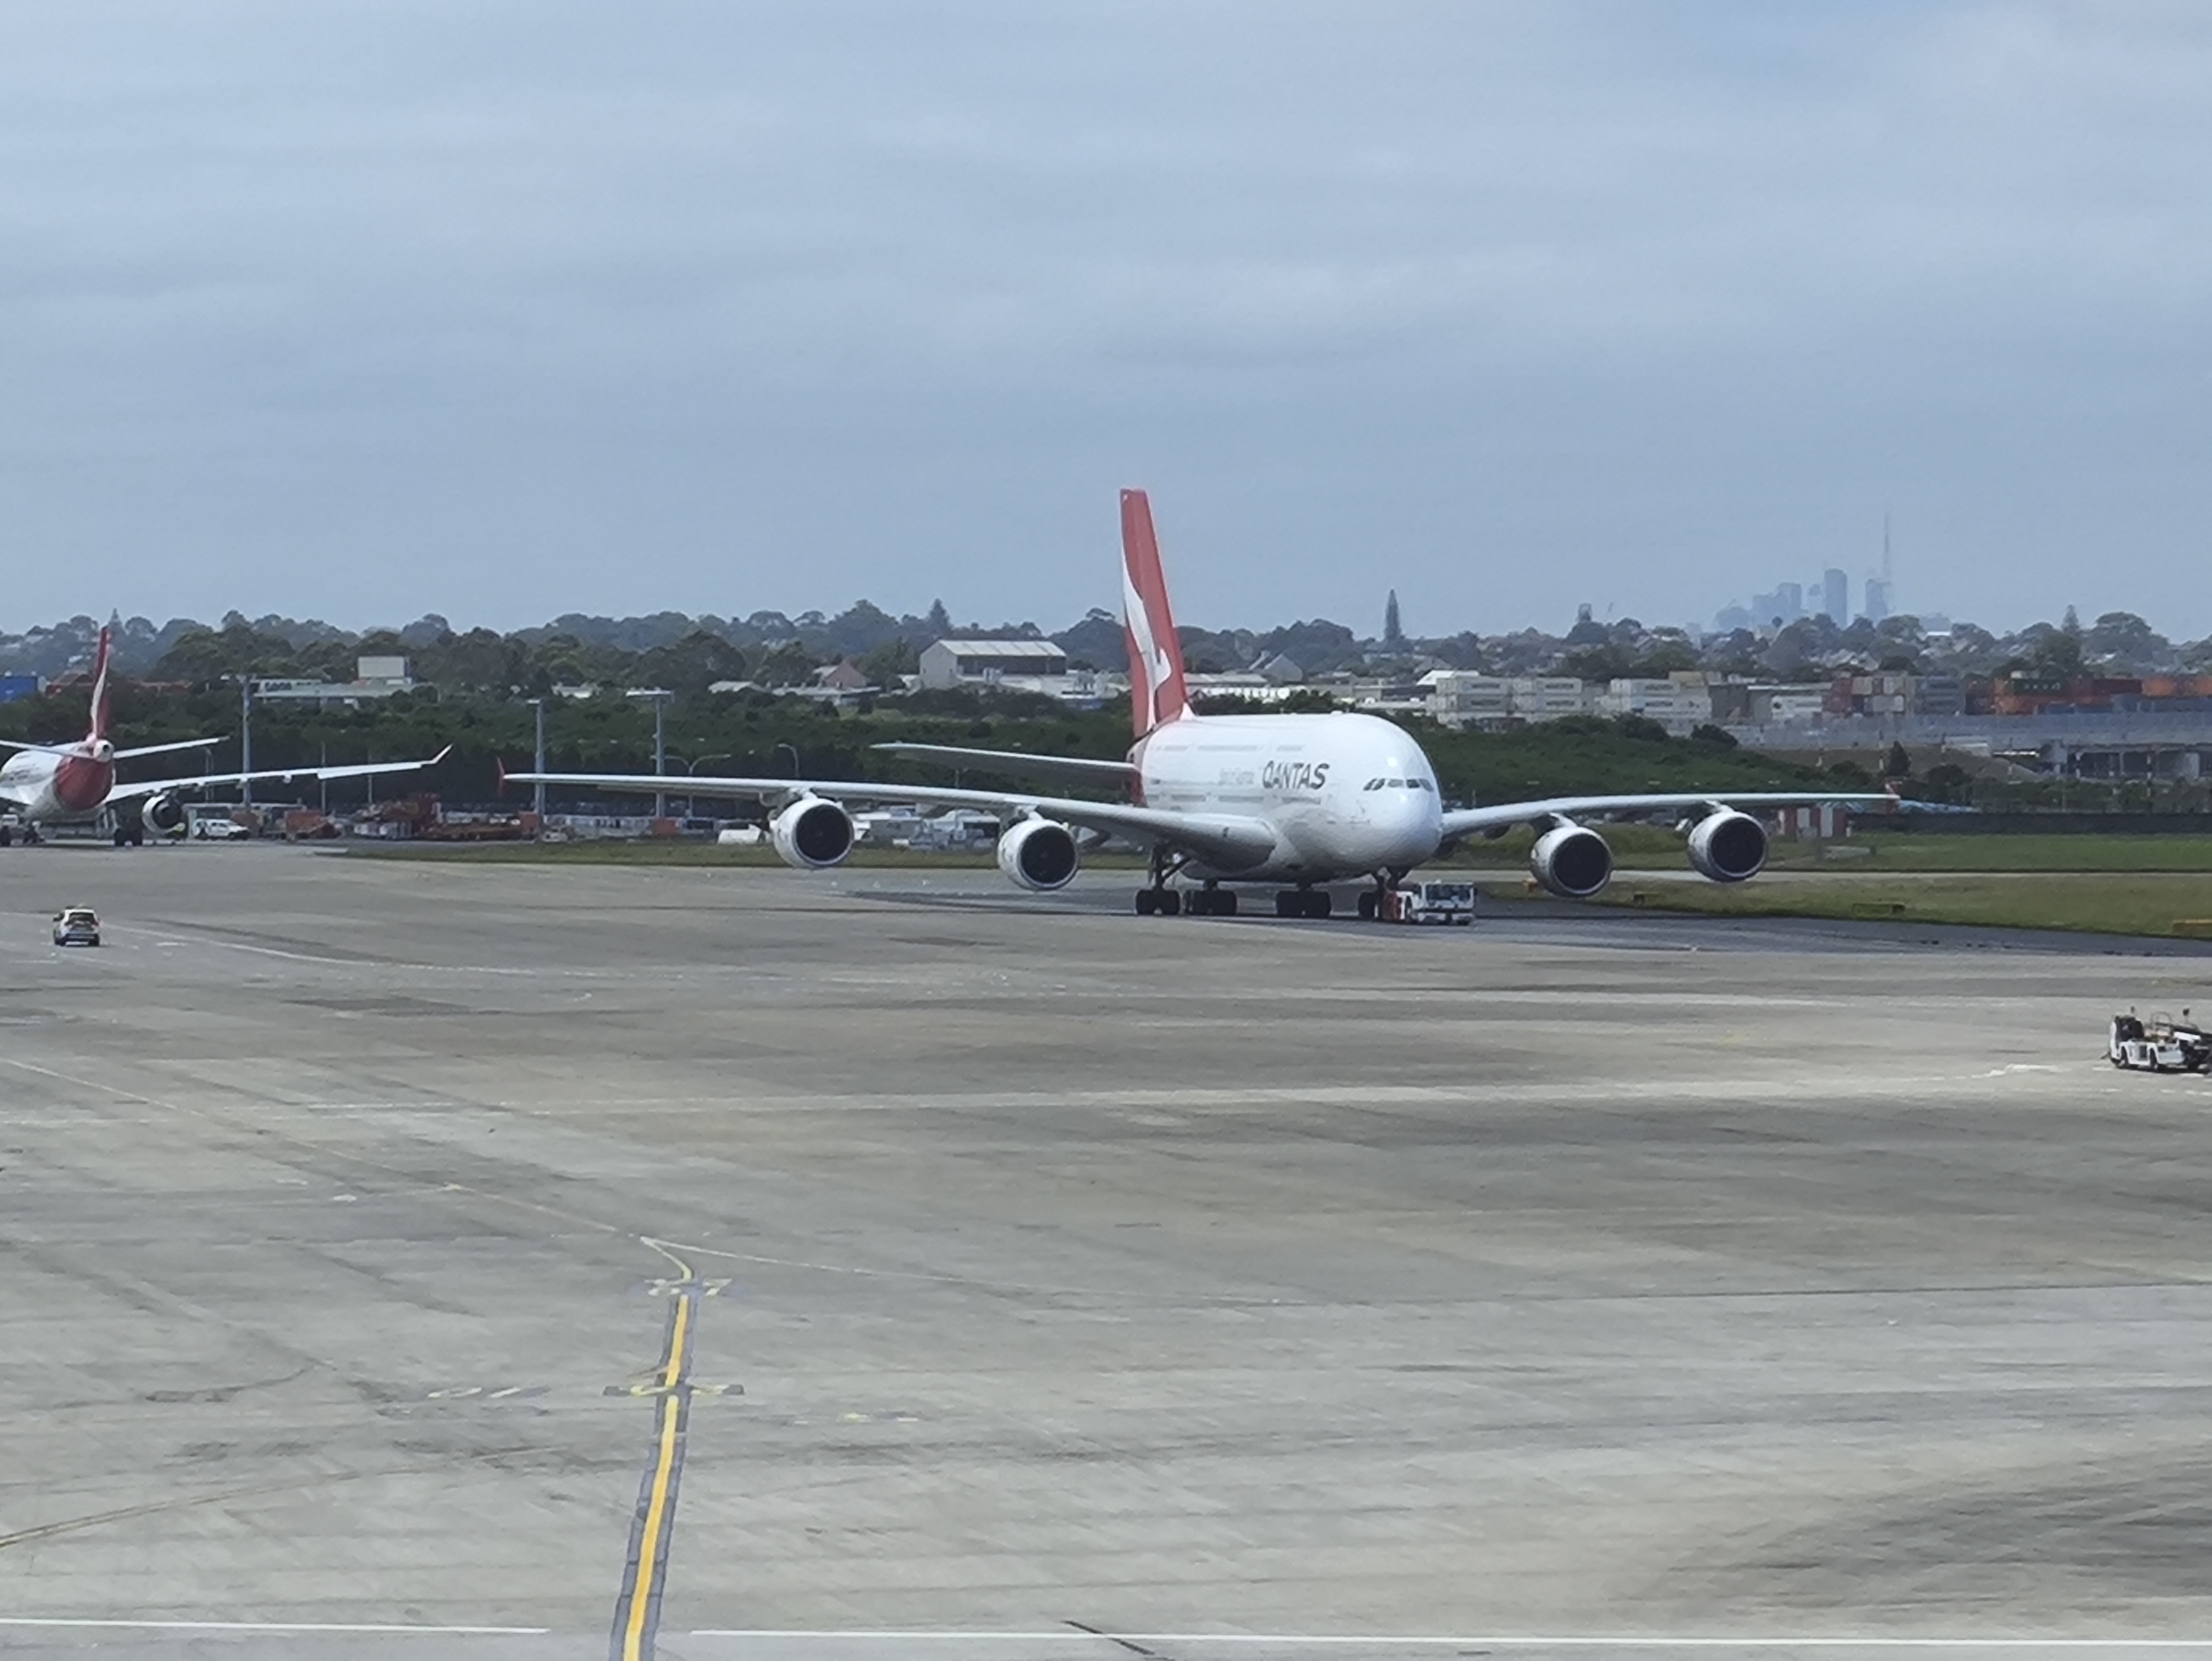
402, 1258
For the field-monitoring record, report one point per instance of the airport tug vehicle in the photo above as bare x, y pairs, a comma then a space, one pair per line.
2158, 1044
1443, 902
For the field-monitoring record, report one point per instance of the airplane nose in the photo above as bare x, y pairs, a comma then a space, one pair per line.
1405, 825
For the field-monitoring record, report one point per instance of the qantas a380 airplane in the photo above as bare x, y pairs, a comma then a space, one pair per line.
61, 783
1293, 802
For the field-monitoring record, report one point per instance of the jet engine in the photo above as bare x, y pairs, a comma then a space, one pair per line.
811, 833
164, 814
1572, 860
1038, 855
1728, 846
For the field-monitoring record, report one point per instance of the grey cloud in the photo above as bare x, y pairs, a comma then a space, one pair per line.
503, 309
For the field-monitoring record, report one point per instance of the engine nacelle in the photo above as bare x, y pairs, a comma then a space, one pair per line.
1572, 861
1728, 846
811, 833
1039, 854
163, 812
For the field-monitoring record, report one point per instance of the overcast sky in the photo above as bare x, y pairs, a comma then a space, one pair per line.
501, 310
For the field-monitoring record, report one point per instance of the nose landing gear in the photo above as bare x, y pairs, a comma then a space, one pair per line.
1376, 902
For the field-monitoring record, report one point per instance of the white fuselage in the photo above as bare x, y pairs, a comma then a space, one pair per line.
43, 786
1347, 796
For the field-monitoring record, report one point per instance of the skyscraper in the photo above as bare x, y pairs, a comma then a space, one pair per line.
1784, 605
1836, 597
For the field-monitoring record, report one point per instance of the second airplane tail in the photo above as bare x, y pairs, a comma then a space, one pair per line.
1157, 690
99, 727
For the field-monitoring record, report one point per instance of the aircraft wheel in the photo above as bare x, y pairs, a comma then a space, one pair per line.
1317, 903
122, 838
7, 837
1148, 901
1370, 906
1225, 902
1170, 902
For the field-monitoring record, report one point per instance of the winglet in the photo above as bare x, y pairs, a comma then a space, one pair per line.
439, 757
500, 762
1158, 694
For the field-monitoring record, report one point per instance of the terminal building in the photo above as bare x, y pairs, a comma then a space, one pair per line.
375, 677
1015, 665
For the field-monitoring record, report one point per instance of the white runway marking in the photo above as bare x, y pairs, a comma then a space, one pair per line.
123, 1624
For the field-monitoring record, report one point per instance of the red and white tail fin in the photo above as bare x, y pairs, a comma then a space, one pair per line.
1157, 692
99, 728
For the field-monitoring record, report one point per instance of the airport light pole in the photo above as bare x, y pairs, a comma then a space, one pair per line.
537, 794
246, 739
659, 697
691, 771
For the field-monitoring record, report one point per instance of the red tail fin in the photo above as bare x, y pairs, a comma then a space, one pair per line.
99, 730
1157, 691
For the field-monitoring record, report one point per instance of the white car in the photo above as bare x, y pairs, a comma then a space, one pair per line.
76, 925
217, 829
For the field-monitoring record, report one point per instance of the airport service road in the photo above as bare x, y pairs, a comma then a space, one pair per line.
568, 1262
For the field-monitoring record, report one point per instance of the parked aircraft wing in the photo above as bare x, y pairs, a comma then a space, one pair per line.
200, 781
1014, 761
1504, 816
1231, 840
164, 748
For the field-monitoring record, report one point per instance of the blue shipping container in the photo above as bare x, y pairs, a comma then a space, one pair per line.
18, 687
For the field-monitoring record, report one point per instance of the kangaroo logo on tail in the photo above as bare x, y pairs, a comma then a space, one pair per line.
1157, 692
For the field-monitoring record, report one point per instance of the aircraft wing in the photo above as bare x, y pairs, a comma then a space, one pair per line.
1505, 815
1231, 839
1013, 760
164, 748
200, 781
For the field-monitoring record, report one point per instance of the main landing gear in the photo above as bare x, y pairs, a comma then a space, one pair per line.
1208, 902
1161, 901
1212, 900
